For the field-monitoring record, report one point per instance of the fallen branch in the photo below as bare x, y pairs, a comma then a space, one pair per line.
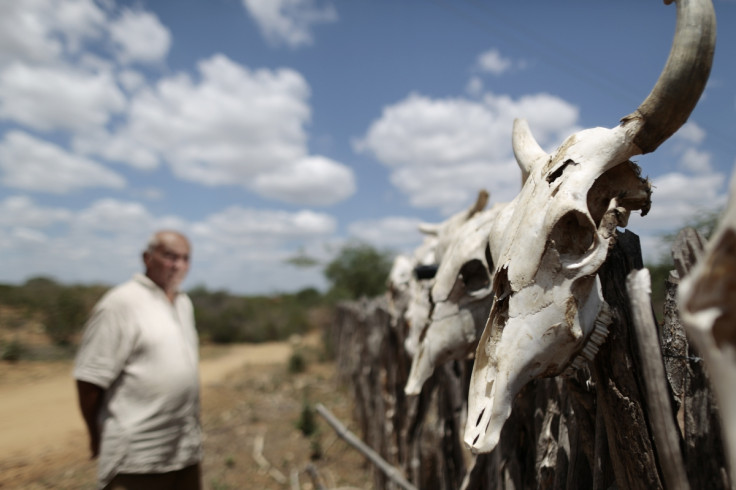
392, 473
263, 463
295, 480
314, 475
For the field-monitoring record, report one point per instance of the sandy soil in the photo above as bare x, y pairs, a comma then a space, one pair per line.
41, 415
251, 405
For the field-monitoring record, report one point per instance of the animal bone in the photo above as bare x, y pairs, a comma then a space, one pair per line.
445, 231
419, 308
707, 302
550, 241
461, 299
398, 288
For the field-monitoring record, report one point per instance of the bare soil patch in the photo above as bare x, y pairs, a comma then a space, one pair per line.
251, 409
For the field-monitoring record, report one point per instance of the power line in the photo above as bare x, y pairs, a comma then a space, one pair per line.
559, 58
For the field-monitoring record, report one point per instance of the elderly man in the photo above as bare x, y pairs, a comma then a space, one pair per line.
138, 380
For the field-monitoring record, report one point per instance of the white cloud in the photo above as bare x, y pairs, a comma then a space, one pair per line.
691, 133
29, 236
315, 181
394, 232
236, 126
25, 31
41, 30
242, 250
289, 22
29, 163
474, 86
118, 147
78, 20
493, 62
236, 226
101, 243
442, 151
140, 37
677, 199
112, 214
22, 211
256, 244
131, 80
51, 98
696, 161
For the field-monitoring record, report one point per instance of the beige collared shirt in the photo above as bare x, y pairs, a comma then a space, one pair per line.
143, 350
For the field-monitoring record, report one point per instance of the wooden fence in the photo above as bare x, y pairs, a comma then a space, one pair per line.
601, 428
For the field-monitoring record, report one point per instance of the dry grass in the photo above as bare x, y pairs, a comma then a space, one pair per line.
258, 405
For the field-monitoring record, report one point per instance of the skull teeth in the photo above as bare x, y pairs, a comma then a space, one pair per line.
593, 342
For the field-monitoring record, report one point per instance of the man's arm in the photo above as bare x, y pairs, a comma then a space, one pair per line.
90, 402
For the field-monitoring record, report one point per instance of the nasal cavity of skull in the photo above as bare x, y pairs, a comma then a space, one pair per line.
557, 173
474, 275
573, 234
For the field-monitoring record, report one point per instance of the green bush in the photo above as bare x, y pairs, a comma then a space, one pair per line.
65, 316
315, 448
62, 309
12, 351
358, 270
226, 318
307, 422
297, 363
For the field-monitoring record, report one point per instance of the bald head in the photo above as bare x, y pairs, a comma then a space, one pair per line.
167, 260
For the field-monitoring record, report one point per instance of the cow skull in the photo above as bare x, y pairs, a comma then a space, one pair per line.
419, 307
707, 302
461, 299
550, 241
397, 288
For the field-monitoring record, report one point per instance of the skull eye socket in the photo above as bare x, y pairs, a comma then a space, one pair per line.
474, 275
573, 234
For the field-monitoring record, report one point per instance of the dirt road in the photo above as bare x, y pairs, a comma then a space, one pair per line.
39, 416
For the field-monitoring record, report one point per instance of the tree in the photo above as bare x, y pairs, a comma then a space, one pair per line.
65, 315
358, 270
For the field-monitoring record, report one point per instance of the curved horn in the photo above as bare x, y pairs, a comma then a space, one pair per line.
480, 203
682, 80
430, 229
526, 149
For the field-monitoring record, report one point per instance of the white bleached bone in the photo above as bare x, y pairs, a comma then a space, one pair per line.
461, 300
550, 241
707, 303
419, 306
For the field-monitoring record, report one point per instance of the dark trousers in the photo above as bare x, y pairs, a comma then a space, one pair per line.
189, 478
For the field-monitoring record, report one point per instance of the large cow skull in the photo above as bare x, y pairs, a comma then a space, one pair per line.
549, 243
461, 299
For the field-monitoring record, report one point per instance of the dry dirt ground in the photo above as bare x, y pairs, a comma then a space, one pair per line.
252, 405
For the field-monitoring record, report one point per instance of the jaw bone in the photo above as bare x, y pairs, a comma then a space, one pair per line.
556, 234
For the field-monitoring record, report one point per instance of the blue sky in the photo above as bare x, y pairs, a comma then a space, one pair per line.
269, 128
